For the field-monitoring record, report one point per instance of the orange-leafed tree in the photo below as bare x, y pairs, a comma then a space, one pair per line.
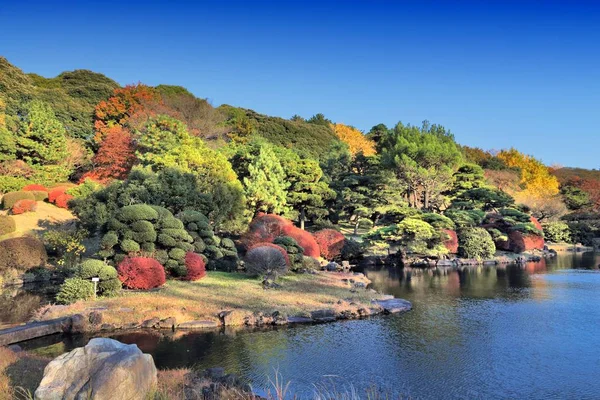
356, 141
115, 157
124, 103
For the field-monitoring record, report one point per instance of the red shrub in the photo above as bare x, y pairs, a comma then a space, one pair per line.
331, 243
62, 201
304, 239
264, 228
34, 187
141, 273
536, 223
451, 242
23, 206
520, 242
196, 268
57, 191
274, 246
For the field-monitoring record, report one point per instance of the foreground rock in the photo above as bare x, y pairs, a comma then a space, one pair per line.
104, 369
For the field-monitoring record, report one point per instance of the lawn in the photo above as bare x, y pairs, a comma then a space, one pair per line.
219, 291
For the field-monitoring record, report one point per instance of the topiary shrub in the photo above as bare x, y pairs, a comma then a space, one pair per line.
7, 224
54, 193
152, 230
75, 289
450, 240
264, 229
273, 246
34, 188
221, 253
304, 239
141, 273
62, 201
475, 243
331, 243
294, 251
22, 253
109, 284
40, 195
9, 199
266, 261
310, 263
557, 232
195, 266
23, 206
352, 250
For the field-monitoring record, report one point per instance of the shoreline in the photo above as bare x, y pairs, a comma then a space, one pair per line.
319, 298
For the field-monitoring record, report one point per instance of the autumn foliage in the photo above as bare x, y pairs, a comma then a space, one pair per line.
115, 157
266, 227
34, 187
23, 206
62, 201
357, 142
331, 243
120, 107
141, 273
195, 266
56, 192
451, 241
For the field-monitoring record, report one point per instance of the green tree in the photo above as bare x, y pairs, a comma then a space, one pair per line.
424, 159
159, 136
487, 199
467, 177
41, 138
266, 183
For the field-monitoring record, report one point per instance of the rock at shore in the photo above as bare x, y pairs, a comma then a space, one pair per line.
104, 369
394, 306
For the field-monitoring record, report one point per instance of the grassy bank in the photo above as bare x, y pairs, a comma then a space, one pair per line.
298, 295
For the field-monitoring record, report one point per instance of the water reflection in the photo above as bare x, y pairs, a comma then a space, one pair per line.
478, 332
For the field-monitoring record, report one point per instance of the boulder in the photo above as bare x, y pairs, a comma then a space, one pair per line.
198, 325
451, 242
520, 242
99, 371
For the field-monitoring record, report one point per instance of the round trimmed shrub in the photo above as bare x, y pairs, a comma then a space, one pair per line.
129, 246
475, 243
141, 273
62, 201
7, 224
228, 244
40, 195
264, 229
54, 193
352, 250
109, 284
75, 289
23, 206
304, 239
331, 243
557, 232
195, 266
137, 212
148, 247
22, 253
10, 199
266, 261
310, 263
177, 254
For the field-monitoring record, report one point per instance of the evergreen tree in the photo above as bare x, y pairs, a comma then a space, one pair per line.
8, 146
266, 183
41, 139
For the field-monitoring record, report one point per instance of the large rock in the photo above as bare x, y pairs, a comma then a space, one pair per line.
520, 242
104, 369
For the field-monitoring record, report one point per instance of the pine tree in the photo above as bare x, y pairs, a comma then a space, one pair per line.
42, 139
266, 184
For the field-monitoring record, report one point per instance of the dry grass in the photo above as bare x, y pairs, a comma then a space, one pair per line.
204, 299
20, 374
171, 384
38, 221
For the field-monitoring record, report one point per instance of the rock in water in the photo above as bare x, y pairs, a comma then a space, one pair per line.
104, 369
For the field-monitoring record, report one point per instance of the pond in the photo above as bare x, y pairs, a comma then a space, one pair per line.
483, 332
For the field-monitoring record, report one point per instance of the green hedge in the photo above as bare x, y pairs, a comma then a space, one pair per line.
75, 289
7, 224
109, 284
475, 243
9, 199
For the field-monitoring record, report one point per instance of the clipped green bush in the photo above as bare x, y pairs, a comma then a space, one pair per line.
9, 199
352, 250
475, 243
294, 251
40, 195
137, 212
7, 224
129, 246
109, 284
75, 289
310, 263
12, 183
557, 232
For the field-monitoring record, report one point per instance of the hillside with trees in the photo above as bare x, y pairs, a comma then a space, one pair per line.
98, 149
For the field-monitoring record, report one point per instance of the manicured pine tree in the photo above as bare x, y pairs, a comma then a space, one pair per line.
266, 184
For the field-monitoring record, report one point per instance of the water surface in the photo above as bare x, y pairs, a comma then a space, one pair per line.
485, 332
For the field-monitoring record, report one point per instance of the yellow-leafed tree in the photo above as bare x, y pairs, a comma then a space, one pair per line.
356, 141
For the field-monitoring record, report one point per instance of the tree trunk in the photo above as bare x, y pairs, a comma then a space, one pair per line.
356, 226
302, 218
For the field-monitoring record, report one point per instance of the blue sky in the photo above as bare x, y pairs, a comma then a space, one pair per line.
498, 74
